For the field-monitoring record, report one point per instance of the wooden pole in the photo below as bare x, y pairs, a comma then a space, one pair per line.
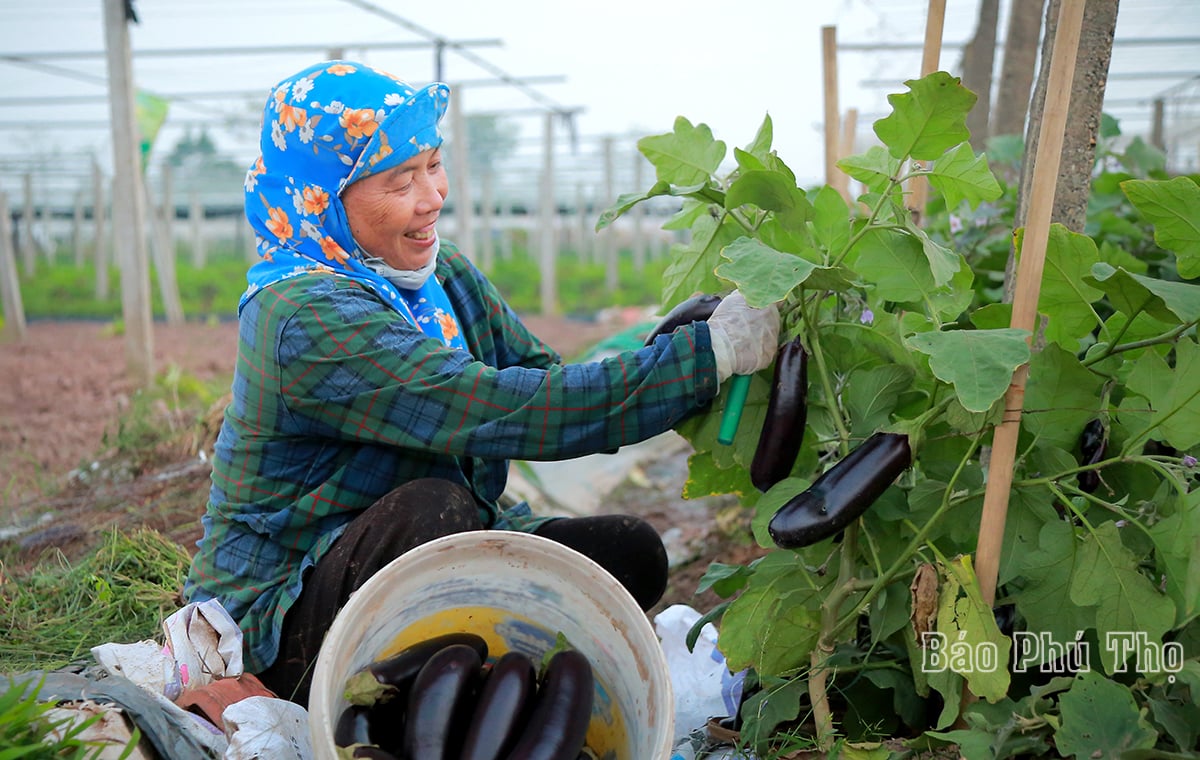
548, 252
487, 248
100, 234
931, 53
129, 221
28, 249
832, 114
846, 148
464, 211
10, 284
639, 216
77, 246
163, 246
609, 234
196, 224
1028, 288
583, 221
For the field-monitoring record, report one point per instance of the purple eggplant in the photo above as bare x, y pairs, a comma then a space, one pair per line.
557, 728
787, 414
392, 676
695, 309
503, 708
440, 703
842, 493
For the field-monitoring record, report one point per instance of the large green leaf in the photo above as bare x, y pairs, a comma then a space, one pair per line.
1045, 599
1060, 398
831, 220
773, 625
766, 276
1173, 302
895, 263
871, 395
965, 619
706, 193
1107, 576
1173, 207
1064, 297
1177, 544
929, 119
770, 191
961, 175
691, 268
686, 156
875, 168
978, 363
1100, 719
1173, 394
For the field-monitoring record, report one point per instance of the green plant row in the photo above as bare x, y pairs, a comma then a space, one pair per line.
908, 333
65, 291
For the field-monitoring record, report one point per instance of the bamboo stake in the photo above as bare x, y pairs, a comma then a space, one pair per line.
935, 21
10, 281
1028, 288
832, 114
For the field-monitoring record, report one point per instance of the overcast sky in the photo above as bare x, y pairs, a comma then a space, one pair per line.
630, 66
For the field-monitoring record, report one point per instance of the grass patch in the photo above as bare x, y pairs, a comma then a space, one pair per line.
55, 613
28, 730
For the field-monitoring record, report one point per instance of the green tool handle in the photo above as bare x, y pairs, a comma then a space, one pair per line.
732, 414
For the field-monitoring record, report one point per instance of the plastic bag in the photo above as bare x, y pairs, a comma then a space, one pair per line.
702, 683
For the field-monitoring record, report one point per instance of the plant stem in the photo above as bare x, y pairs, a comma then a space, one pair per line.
814, 345
884, 197
1167, 337
818, 676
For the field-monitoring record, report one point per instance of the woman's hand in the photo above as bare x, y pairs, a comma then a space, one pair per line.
744, 339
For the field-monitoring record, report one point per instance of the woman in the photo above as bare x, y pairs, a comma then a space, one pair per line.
382, 384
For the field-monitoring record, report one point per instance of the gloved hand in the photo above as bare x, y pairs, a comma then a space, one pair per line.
744, 339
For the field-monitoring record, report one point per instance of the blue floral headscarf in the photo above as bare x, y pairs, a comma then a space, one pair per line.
324, 128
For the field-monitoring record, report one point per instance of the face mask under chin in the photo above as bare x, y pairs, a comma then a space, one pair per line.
407, 279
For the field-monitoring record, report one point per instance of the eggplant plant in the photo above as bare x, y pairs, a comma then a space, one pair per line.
866, 620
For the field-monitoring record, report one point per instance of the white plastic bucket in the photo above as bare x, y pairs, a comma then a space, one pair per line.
518, 591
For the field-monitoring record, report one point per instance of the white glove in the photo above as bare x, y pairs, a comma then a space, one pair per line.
744, 340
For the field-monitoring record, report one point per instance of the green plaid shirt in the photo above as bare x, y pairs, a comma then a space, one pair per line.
337, 400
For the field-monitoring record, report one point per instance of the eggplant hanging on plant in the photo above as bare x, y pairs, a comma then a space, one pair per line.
787, 413
695, 309
842, 493
1093, 443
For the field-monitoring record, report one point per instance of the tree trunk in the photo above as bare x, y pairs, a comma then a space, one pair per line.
979, 58
1018, 67
1083, 122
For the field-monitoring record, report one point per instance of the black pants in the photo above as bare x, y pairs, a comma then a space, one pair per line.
421, 511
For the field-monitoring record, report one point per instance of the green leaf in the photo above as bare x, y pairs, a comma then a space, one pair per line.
1100, 719
627, 201
1177, 549
961, 175
895, 263
770, 191
724, 580
978, 363
871, 396
967, 620
1045, 601
1107, 576
773, 625
691, 268
1064, 297
875, 168
1171, 206
705, 478
686, 156
929, 119
831, 220
1060, 398
774, 705
760, 146
766, 276
943, 262
1173, 302
1174, 396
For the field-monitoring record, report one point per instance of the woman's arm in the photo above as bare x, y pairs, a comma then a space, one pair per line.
352, 369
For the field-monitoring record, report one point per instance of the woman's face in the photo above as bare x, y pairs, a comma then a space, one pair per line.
392, 214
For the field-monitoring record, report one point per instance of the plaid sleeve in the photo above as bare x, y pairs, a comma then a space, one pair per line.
351, 368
